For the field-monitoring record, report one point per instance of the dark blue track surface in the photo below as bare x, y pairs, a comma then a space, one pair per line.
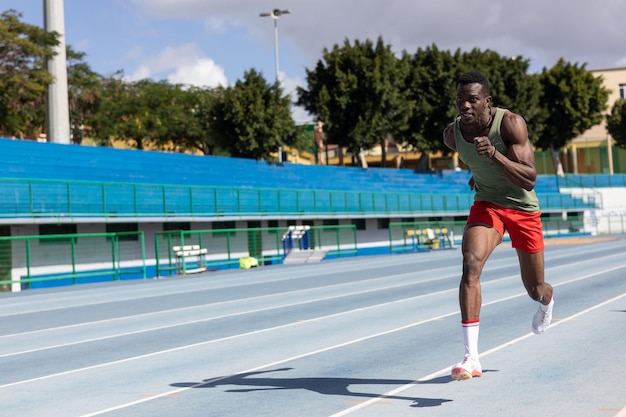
371, 336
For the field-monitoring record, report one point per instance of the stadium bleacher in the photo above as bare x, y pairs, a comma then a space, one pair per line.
30, 160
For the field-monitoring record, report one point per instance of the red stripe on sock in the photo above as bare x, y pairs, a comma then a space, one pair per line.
470, 323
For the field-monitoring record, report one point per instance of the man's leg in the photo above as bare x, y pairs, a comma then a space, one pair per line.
479, 241
532, 270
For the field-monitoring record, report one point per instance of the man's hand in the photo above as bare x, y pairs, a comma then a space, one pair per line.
484, 146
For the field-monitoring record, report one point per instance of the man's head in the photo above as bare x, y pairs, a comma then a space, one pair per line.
474, 77
473, 97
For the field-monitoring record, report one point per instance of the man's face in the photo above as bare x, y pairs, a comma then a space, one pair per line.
471, 102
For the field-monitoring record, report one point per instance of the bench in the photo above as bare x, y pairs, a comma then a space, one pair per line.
431, 238
183, 255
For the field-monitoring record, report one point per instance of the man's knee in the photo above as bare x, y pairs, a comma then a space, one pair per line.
472, 268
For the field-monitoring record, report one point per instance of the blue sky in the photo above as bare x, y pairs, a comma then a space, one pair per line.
212, 42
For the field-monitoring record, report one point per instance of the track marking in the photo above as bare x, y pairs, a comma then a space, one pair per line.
384, 279
336, 268
444, 371
295, 304
375, 400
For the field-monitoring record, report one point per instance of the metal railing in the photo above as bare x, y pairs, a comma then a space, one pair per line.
225, 247
413, 236
20, 199
28, 262
51, 260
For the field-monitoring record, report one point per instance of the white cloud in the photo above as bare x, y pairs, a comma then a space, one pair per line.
184, 64
202, 73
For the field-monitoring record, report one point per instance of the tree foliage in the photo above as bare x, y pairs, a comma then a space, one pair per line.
252, 119
616, 123
410, 97
84, 91
357, 91
24, 78
431, 85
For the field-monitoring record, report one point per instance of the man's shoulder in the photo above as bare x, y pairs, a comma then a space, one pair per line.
513, 127
509, 115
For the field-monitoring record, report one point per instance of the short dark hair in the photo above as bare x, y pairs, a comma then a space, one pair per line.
475, 77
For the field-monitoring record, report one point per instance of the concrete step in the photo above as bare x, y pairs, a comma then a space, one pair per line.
297, 256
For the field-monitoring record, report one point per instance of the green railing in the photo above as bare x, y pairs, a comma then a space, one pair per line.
50, 260
20, 198
223, 248
591, 181
414, 236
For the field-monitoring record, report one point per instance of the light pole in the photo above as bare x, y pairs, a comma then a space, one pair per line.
275, 14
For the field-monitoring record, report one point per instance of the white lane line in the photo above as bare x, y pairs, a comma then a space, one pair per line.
195, 307
255, 332
241, 313
267, 365
64, 304
150, 294
271, 329
300, 303
444, 371
384, 279
351, 342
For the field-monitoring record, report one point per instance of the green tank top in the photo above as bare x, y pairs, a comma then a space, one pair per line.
492, 185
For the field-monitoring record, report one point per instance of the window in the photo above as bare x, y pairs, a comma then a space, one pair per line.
124, 227
224, 225
331, 222
359, 223
172, 226
383, 223
274, 227
57, 229
622, 91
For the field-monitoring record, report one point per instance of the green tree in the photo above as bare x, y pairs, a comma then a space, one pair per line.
195, 129
431, 85
84, 92
252, 119
136, 112
616, 123
573, 101
24, 79
356, 90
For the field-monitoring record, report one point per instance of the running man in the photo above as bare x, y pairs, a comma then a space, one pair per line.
494, 143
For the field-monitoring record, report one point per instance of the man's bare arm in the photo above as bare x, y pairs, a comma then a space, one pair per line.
448, 137
519, 163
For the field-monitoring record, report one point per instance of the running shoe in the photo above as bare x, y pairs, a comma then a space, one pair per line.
468, 368
542, 319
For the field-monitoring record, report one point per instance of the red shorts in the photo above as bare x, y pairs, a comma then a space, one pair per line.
524, 227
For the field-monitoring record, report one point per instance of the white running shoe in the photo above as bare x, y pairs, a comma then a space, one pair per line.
542, 319
468, 368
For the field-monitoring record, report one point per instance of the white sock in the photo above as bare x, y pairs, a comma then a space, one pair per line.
470, 336
547, 307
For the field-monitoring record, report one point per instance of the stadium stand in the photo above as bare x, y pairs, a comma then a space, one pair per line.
96, 167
